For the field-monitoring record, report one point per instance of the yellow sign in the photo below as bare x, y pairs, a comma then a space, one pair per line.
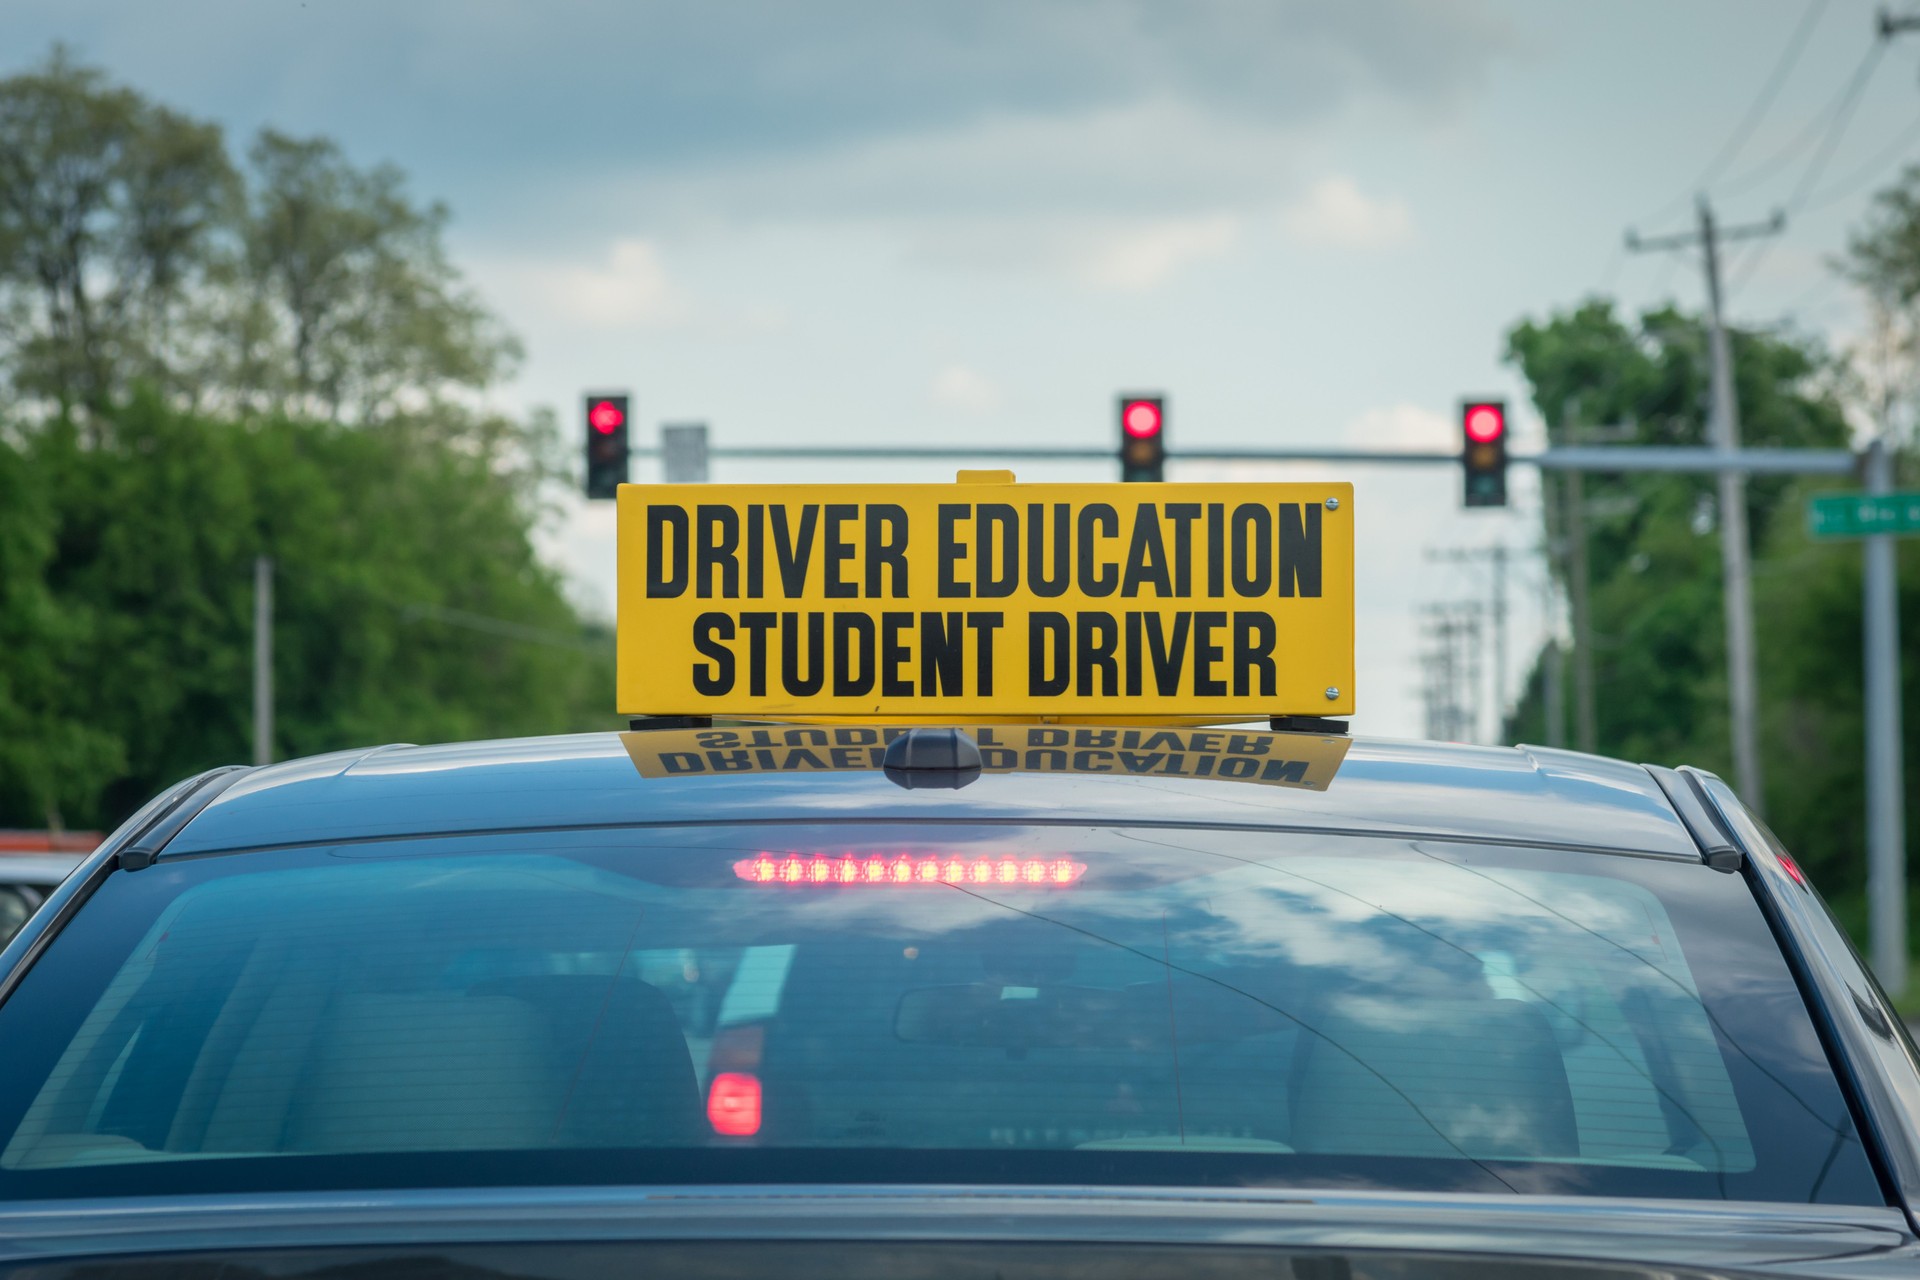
1221, 601
1304, 761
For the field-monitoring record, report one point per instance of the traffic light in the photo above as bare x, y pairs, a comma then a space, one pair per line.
1143, 437
1483, 449
606, 445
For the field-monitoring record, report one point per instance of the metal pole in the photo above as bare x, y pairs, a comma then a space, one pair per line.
263, 660
1499, 554
1742, 679
1585, 718
1886, 819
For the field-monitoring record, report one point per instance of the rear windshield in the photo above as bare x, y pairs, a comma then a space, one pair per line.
921, 1003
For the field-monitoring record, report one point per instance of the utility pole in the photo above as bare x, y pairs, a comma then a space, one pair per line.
1886, 817
1735, 550
1496, 558
1585, 720
263, 659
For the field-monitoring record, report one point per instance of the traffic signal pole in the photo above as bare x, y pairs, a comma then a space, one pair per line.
1886, 815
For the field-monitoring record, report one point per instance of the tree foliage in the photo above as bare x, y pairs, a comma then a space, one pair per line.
1659, 647
134, 251
410, 605
209, 363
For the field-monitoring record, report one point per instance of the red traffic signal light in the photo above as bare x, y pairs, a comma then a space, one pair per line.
1485, 423
606, 444
1483, 452
1140, 418
1143, 442
607, 415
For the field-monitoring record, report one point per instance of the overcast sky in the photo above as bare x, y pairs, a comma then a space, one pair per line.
835, 221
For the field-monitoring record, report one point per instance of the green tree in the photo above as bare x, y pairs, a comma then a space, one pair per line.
350, 307
1656, 605
410, 605
110, 214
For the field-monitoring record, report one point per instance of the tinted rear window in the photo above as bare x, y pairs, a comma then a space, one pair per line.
931, 1003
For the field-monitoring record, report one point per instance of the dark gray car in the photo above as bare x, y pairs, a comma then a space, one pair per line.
551, 1007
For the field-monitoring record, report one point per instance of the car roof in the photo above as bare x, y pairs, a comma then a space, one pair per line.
1520, 795
37, 868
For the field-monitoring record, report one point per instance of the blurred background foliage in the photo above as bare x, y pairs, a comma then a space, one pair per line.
1658, 635
204, 362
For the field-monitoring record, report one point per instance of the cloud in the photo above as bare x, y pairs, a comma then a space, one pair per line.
958, 387
1335, 213
763, 105
1141, 257
625, 287
1402, 426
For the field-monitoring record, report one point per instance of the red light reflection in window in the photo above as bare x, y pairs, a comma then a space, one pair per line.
788, 868
733, 1104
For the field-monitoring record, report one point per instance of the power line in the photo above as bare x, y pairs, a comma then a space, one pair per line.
1866, 173
1812, 133
1796, 45
1789, 58
1836, 129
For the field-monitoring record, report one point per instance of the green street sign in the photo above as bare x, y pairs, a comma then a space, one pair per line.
1857, 515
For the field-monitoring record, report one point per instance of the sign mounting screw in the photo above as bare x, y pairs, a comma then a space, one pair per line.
1333, 504
1333, 693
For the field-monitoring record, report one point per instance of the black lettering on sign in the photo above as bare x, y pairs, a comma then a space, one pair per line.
719, 533
1206, 652
952, 550
1132, 649
983, 625
942, 649
1253, 641
1299, 548
1181, 516
756, 551
1098, 636
715, 677
894, 654
999, 557
794, 549
1097, 580
756, 625
1169, 653
886, 548
1237, 767
1146, 556
1047, 640
1216, 550
838, 551
852, 655
666, 560
798, 679
1049, 571
1252, 540
682, 762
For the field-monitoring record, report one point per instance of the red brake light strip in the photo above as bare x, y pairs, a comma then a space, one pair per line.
773, 868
